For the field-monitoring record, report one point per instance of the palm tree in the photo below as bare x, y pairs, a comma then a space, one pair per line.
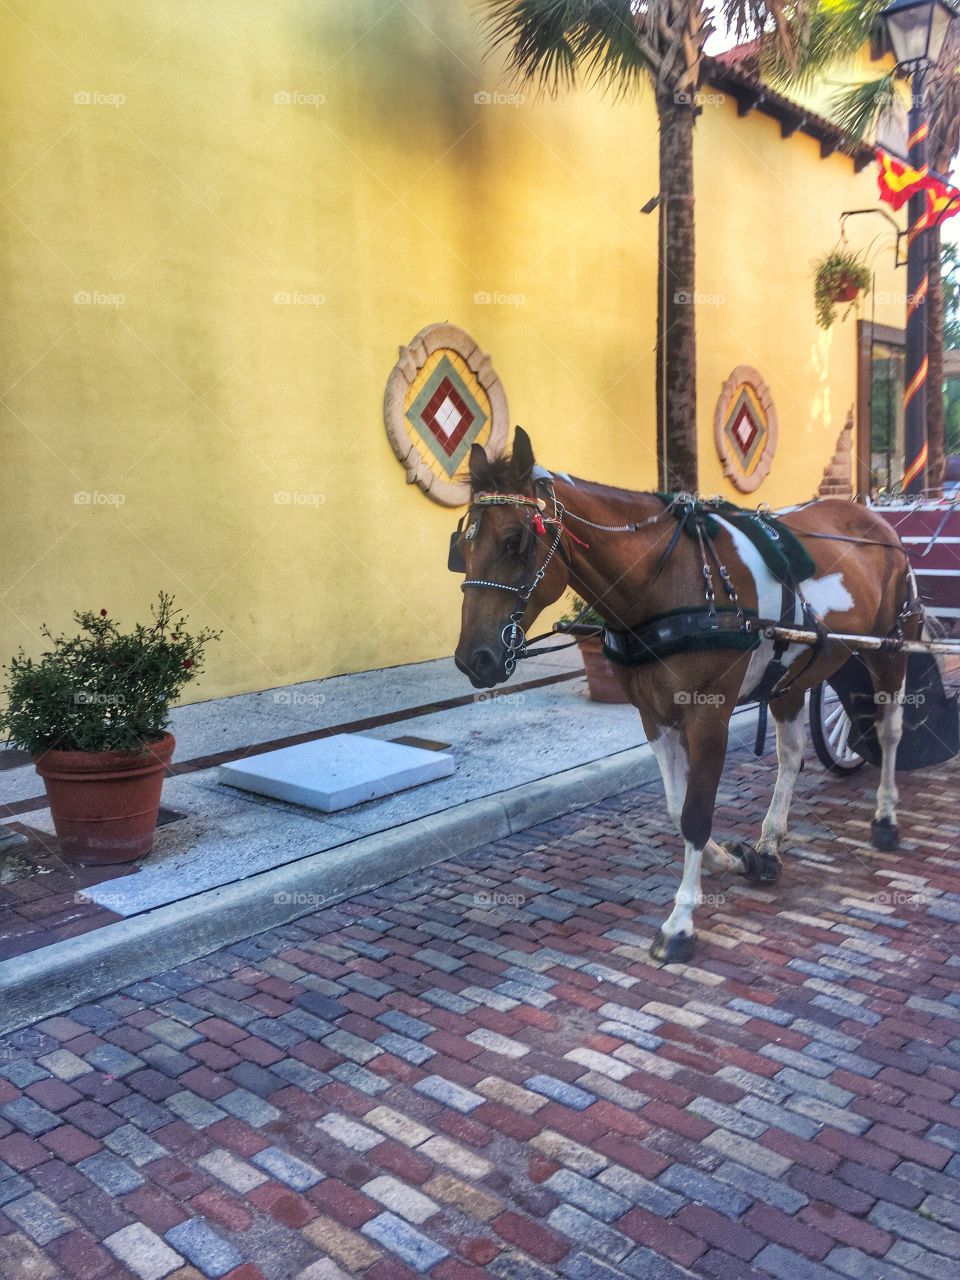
624, 44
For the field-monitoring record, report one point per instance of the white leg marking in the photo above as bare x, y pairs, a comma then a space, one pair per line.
889, 731
791, 737
671, 756
680, 919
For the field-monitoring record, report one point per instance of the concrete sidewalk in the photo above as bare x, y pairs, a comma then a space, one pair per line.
499, 740
232, 863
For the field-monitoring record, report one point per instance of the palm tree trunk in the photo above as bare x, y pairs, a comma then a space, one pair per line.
934, 391
676, 314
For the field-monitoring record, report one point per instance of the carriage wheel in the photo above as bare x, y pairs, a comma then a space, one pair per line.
830, 731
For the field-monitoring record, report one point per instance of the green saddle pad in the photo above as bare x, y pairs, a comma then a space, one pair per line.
781, 550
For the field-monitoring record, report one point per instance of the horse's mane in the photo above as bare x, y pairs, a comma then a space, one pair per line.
501, 476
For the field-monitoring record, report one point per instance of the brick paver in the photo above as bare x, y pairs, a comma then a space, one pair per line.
478, 1071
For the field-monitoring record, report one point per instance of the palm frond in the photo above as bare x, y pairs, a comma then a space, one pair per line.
823, 35
613, 47
537, 35
780, 23
859, 109
614, 43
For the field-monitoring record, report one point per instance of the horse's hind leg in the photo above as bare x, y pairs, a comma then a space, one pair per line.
706, 738
670, 752
888, 671
791, 738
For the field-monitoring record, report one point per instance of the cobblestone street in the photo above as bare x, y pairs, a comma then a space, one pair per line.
478, 1071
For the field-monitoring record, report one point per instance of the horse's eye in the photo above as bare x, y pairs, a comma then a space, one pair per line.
511, 544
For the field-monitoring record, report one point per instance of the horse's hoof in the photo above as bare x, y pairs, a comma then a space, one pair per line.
737, 849
677, 948
760, 867
884, 835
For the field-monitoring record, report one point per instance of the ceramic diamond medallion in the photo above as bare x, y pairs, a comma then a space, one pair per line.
745, 428
442, 396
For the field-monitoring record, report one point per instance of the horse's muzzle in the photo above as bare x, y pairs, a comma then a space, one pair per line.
484, 668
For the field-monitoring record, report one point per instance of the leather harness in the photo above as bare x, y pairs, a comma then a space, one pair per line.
706, 627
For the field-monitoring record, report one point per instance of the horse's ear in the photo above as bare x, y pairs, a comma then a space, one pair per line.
523, 459
479, 466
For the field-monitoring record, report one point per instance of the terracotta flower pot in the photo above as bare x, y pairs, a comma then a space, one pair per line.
602, 681
104, 803
846, 292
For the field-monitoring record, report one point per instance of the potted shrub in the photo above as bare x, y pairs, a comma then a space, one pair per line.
586, 626
92, 711
840, 277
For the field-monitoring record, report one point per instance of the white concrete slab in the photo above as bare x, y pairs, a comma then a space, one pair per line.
338, 772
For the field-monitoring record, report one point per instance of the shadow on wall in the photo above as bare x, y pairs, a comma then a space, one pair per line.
417, 76
409, 68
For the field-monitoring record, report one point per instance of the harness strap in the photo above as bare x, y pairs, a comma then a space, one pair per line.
775, 669
845, 537
671, 545
682, 631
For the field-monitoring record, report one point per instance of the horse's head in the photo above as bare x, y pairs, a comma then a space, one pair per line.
508, 544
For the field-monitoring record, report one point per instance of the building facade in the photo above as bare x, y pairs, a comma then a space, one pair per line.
220, 225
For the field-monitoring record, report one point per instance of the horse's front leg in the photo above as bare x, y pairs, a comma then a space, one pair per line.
706, 739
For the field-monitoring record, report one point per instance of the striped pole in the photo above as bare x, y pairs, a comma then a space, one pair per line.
915, 451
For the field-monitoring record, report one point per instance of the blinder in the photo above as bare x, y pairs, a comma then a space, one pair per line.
456, 561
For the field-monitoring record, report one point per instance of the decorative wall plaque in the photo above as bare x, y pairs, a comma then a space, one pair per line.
442, 396
745, 428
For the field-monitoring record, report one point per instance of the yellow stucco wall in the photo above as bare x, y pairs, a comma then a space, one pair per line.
169, 170
767, 209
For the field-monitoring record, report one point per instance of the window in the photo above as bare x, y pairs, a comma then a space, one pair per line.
880, 409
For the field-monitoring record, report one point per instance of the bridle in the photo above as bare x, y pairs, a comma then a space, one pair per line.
513, 635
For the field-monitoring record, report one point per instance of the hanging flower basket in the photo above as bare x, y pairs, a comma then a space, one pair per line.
840, 278
847, 291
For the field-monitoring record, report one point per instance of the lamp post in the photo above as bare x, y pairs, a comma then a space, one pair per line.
916, 30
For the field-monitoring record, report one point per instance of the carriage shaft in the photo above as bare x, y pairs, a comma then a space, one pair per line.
793, 635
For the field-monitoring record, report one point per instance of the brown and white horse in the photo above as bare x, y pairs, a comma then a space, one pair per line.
525, 541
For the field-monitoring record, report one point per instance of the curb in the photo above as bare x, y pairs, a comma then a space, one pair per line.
95, 964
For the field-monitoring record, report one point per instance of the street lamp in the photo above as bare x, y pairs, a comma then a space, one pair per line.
916, 30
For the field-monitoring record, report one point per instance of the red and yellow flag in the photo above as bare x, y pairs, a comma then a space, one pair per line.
898, 182
943, 201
